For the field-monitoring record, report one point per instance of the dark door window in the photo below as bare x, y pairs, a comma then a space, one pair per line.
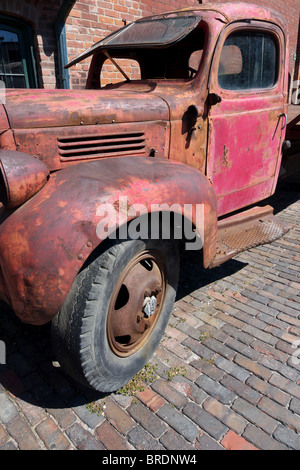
17, 68
249, 61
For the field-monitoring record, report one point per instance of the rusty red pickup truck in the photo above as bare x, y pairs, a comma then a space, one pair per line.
191, 136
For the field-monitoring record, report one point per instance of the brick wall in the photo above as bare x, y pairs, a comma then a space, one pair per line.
91, 20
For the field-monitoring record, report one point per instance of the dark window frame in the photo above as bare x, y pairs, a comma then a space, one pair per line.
26, 41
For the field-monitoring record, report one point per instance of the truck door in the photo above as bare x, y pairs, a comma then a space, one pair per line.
246, 105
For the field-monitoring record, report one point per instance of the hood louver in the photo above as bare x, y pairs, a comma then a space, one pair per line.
87, 147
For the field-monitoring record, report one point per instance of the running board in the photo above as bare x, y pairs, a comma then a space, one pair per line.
245, 230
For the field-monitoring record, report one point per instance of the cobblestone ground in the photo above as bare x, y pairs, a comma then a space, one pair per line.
232, 337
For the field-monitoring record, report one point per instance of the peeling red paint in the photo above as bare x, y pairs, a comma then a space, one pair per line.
67, 235
153, 141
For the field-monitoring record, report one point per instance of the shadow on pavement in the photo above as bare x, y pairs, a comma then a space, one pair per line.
30, 373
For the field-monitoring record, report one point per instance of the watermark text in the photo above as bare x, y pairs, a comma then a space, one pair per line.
296, 92
296, 353
157, 222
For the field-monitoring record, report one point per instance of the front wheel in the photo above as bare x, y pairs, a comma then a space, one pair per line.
116, 313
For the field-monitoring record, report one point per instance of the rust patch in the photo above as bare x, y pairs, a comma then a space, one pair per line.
225, 161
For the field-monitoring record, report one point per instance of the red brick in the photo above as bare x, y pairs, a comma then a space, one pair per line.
3, 436
118, 418
231, 441
110, 438
34, 414
19, 429
151, 399
52, 436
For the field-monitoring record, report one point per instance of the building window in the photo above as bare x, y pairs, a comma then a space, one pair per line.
17, 65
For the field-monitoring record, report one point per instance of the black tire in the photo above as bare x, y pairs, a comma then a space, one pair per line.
84, 347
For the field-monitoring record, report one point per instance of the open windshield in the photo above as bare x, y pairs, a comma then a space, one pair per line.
154, 33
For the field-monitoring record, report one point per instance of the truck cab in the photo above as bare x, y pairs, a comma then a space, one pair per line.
223, 74
191, 131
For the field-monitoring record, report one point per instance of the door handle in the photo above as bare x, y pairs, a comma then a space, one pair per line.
214, 99
285, 120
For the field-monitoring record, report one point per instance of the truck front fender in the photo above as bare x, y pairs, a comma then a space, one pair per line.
45, 242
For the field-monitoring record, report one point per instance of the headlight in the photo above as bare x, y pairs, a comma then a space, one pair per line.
22, 176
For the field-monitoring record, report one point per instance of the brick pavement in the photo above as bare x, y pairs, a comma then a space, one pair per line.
232, 336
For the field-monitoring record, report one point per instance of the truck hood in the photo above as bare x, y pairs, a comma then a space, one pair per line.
29, 109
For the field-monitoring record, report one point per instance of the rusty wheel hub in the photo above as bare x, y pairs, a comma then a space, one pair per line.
136, 303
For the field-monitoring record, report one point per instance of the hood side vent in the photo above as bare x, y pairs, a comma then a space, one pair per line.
88, 147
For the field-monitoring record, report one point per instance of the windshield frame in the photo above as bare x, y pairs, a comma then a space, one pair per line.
107, 45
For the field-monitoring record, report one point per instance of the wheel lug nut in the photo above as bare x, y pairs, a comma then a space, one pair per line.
140, 317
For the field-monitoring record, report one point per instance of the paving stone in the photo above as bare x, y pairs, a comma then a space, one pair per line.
187, 387
224, 414
282, 369
20, 431
295, 405
9, 446
269, 390
198, 348
208, 368
147, 419
205, 421
164, 389
288, 437
8, 410
253, 367
261, 439
232, 369
82, 439
4, 437
142, 440
241, 338
267, 350
179, 422
205, 442
52, 436
231, 441
177, 349
151, 399
255, 416
117, 417
286, 385
216, 390
169, 360
219, 348
171, 440
241, 389
239, 346
64, 417
110, 438
86, 414
280, 413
